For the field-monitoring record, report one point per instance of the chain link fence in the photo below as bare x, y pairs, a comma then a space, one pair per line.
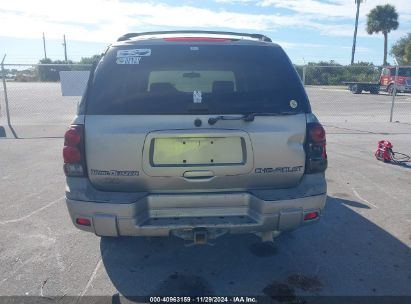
358, 93
337, 94
36, 105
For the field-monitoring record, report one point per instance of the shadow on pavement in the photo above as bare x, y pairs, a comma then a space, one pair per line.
403, 165
37, 131
344, 254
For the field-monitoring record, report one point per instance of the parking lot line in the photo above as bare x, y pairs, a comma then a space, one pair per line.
363, 199
23, 264
32, 213
90, 280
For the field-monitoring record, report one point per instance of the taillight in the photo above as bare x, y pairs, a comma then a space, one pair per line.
71, 155
83, 221
311, 216
401, 81
72, 137
315, 148
73, 151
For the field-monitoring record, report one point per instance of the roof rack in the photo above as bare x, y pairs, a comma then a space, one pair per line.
255, 36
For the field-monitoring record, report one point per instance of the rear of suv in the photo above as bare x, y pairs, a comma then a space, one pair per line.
194, 134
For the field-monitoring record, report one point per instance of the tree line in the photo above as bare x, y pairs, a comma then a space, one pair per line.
401, 50
333, 73
49, 70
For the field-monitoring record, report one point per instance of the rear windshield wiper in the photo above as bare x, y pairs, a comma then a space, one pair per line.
247, 117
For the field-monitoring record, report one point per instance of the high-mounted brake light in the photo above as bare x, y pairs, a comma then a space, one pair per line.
196, 39
315, 148
73, 151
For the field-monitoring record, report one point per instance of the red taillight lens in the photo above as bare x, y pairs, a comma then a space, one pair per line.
196, 39
71, 155
401, 81
315, 148
73, 151
72, 137
83, 221
317, 133
310, 216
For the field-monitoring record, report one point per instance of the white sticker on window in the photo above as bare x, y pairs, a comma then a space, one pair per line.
132, 56
197, 98
134, 53
293, 103
128, 60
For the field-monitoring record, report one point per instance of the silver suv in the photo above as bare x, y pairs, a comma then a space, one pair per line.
194, 134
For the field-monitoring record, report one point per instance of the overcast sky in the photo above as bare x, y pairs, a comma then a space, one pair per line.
309, 30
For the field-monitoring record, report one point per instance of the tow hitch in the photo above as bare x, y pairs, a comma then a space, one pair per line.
199, 235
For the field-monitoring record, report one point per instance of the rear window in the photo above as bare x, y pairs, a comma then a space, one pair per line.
183, 78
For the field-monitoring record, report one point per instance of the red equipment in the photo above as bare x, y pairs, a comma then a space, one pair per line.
386, 154
384, 151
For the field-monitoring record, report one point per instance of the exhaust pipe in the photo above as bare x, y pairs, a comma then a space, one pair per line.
268, 236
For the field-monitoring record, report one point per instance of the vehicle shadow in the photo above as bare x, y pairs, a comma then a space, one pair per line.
344, 254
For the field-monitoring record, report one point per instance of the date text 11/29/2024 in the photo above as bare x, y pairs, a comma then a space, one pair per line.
203, 299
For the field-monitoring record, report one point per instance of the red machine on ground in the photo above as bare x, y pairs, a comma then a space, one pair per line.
384, 151
386, 154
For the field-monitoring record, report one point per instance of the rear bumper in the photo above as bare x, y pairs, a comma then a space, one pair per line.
160, 215
231, 212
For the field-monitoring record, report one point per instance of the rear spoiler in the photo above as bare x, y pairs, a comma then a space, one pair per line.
254, 36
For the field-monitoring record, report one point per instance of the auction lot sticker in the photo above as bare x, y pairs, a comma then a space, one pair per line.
132, 56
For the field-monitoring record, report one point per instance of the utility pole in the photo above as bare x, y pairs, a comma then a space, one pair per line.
65, 48
44, 46
394, 92
358, 3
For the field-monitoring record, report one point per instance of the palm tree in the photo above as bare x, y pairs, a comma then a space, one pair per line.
382, 18
358, 2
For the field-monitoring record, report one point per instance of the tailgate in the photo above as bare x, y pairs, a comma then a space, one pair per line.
159, 153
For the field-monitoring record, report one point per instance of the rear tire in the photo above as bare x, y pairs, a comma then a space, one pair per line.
356, 89
375, 91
